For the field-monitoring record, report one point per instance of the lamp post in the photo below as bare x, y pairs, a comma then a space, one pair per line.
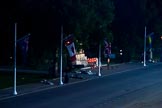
99, 61
61, 82
15, 45
99, 55
144, 61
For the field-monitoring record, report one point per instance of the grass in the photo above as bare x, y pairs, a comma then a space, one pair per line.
7, 79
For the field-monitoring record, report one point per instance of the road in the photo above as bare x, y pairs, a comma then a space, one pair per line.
138, 88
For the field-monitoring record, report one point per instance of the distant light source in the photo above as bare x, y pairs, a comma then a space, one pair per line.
10, 57
68, 42
121, 52
161, 37
81, 44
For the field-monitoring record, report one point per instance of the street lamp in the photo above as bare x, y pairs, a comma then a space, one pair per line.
99, 55
144, 61
99, 61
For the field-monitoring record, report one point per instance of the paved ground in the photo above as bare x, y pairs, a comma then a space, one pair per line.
24, 89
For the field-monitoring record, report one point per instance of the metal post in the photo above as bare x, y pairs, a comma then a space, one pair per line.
144, 48
15, 92
61, 82
99, 61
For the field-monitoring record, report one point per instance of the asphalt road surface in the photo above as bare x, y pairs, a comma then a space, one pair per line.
138, 88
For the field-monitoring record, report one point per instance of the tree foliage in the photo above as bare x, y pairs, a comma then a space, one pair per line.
122, 22
131, 17
88, 20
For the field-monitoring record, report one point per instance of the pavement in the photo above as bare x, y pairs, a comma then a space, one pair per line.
80, 76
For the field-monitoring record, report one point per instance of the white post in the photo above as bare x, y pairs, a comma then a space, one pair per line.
99, 61
144, 62
61, 82
15, 92
151, 55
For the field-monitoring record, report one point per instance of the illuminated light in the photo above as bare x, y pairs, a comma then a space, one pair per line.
91, 60
81, 44
108, 60
67, 43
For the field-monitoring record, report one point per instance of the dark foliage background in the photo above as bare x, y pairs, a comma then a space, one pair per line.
121, 21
